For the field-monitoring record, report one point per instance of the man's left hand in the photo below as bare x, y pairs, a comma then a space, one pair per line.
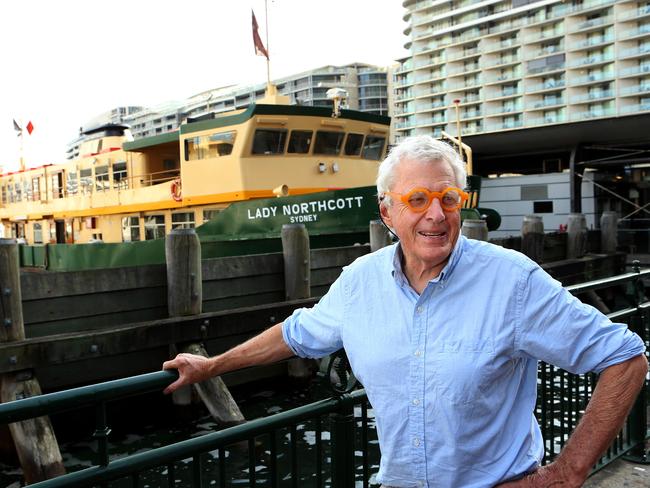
552, 475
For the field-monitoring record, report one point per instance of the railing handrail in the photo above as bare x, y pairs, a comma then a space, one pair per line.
74, 398
192, 447
605, 282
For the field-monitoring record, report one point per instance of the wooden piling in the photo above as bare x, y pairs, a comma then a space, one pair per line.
532, 237
608, 232
576, 236
34, 439
295, 250
297, 282
185, 297
379, 235
475, 229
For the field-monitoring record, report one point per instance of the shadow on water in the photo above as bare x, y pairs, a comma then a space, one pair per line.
141, 423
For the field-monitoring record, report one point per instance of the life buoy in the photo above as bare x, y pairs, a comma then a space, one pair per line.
176, 190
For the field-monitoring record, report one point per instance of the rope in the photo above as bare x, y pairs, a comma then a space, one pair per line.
614, 193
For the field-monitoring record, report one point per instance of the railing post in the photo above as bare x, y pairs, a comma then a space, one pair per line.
342, 435
475, 229
379, 235
532, 237
577, 236
638, 417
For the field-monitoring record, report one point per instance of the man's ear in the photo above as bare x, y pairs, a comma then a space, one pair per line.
385, 214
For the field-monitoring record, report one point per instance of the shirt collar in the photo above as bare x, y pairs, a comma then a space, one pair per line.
398, 273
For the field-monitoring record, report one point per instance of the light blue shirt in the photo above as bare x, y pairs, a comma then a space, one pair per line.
452, 373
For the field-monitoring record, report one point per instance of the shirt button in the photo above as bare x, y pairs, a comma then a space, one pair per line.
416, 401
416, 442
418, 353
419, 309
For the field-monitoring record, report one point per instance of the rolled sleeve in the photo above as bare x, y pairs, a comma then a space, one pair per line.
316, 332
556, 327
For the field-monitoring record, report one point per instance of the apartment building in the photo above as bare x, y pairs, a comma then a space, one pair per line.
367, 86
506, 65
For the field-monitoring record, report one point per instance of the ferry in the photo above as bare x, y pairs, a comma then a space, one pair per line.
125, 190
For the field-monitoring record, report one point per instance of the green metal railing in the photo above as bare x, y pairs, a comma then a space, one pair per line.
352, 451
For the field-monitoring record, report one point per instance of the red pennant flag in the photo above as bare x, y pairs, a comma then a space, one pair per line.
260, 50
30, 127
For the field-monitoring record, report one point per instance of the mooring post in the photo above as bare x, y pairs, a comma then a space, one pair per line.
576, 236
185, 297
36, 444
379, 235
532, 237
297, 282
608, 232
475, 229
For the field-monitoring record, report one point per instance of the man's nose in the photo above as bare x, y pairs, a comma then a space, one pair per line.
435, 211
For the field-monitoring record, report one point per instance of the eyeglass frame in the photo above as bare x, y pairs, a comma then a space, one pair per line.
404, 197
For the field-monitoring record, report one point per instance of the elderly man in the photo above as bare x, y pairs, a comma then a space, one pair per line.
445, 334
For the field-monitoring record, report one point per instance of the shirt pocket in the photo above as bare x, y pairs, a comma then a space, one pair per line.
458, 370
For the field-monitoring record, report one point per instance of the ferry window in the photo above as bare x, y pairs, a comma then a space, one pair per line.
27, 190
10, 193
19, 191
57, 185
154, 227
373, 148
36, 193
211, 213
4, 194
101, 178
183, 220
269, 141
353, 144
119, 175
299, 141
543, 207
86, 180
38, 233
71, 185
192, 146
220, 144
328, 142
131, 229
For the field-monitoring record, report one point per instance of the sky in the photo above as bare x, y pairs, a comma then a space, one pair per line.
67, 61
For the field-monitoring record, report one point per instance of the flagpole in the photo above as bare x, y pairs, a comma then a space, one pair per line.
22, 148
268, 49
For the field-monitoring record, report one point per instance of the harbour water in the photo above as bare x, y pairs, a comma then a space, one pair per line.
152, 421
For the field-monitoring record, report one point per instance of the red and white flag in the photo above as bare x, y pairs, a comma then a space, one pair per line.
260, 50
19, 129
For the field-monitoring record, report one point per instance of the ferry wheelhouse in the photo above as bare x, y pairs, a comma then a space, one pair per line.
121, 190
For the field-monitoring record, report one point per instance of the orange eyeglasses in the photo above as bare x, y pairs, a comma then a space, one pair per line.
419, 199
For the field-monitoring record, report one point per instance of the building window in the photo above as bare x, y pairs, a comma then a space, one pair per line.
38, 233
130, 229
183, 220
154, 227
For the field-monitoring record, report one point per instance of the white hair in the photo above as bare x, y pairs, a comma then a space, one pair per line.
423, 149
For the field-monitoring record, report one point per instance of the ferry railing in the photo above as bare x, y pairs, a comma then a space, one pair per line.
562, 399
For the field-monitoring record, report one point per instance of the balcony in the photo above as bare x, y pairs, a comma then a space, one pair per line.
635, 108
466, 53
590, 97
596, 59
503, 94
635, 51
635, 14
502, 110
594, 41
592, 78
404, 82
499, 46
465, 85
635, 71
403, 96
507, 77
470, 114
595, 22
404, 125
643, 30
510, 124
454, 71
545, 69
547, 85
558, 119
592, 114
503, 61
430, 77
549, 102
544, 35
642, 88
545, 51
